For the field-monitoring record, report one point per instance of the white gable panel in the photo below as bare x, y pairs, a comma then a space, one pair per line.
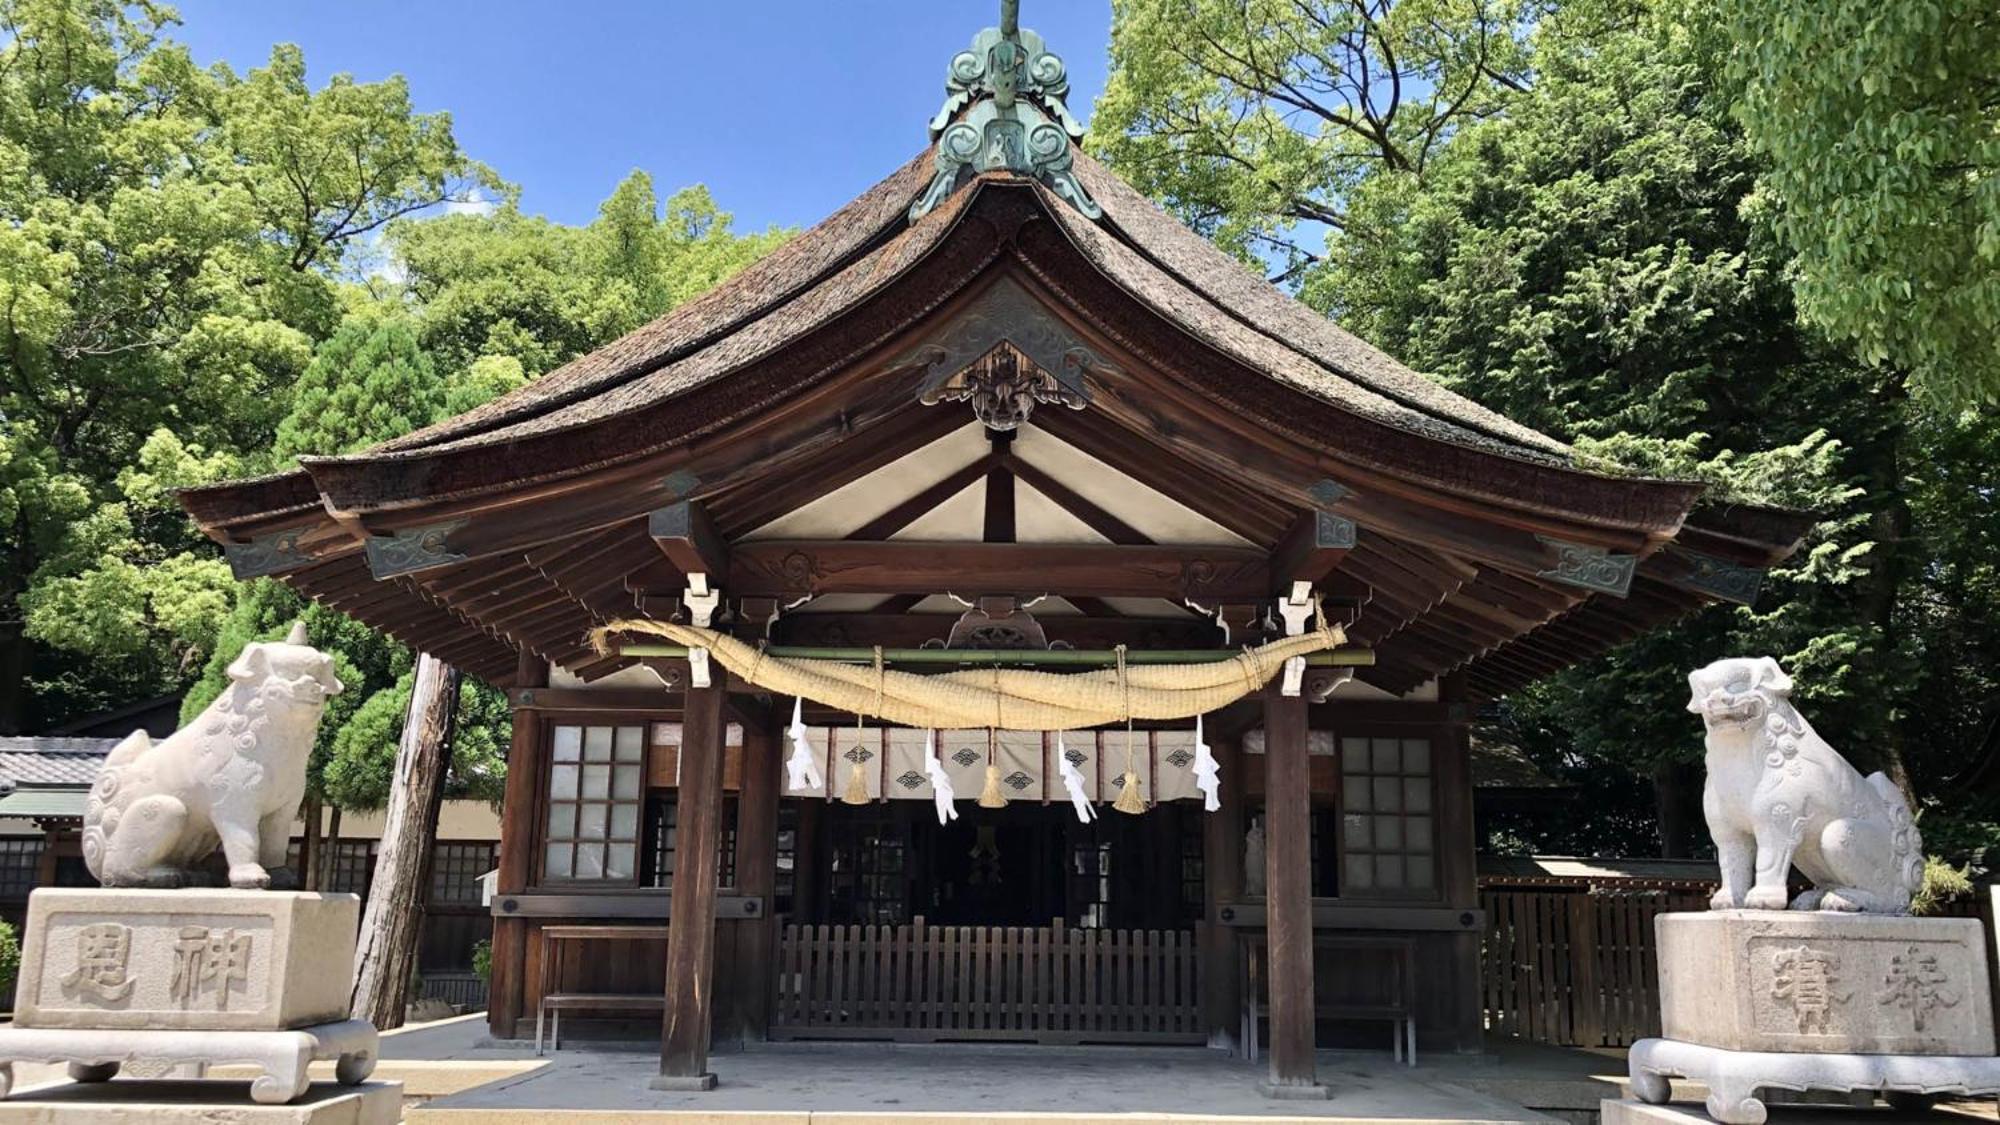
845, 509
1038, 519
961, 519
1154, 514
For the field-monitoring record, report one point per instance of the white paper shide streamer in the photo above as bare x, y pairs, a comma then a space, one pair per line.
1072, 779
805, 776
940, 780
1207, 773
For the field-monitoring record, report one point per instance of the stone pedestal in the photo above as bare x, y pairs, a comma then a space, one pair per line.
1803, 1000
1795, 980
116, 977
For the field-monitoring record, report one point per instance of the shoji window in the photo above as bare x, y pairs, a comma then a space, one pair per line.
596, 791
1388, 835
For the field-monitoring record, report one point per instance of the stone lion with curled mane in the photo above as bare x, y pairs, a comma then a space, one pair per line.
233, 777
1778, 797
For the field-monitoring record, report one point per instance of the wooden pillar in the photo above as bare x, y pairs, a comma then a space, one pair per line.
1288, 898
1222, 887
507, 988
807, 862
691, 907
756, 877
1458, 875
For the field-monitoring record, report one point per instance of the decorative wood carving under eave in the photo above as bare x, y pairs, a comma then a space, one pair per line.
1592, 568
263, 555
974, 357
1717, 577
411, 549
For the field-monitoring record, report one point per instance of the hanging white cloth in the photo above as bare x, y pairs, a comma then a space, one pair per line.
805, 775
941, 791
1207, 772
1072, 780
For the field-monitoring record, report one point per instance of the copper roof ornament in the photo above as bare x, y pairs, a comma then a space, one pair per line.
1004, 110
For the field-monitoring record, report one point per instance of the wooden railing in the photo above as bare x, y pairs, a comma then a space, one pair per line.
1045, 984
1575, 968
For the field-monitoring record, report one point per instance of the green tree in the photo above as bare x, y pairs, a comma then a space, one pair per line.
1584, 255
1253, 120
170, 241
368, 382
508, 285
1880, 127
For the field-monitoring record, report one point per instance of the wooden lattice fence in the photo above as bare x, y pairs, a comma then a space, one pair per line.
1575, 968
1046, 984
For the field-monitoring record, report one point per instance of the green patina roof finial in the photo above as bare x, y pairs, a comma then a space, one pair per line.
1004, 109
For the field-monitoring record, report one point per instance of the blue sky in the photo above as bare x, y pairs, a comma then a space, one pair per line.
786, 109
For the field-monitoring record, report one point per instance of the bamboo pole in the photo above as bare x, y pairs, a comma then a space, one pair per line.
1340, 658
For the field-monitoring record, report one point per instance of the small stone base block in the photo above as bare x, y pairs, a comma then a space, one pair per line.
1818, 981
682, 1083
155, 1102
185, 960
1294, 1092
280, 1056
1734, 1078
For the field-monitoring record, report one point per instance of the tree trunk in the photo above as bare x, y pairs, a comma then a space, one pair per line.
330, 846
1889, 528
309, 850
382, 958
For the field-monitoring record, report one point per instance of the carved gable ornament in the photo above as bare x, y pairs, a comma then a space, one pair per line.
1004, 109
1005, 354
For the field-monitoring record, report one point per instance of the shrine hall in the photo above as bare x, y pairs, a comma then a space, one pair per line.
995, 615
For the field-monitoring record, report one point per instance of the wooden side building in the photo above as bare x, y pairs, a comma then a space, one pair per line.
1000, 401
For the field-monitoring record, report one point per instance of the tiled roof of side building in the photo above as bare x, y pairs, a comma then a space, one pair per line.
52, 760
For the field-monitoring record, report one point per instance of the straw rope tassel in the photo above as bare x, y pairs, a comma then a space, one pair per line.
856, 792
990, 797
1129, 799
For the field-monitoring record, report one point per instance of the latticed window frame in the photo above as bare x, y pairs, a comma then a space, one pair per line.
455, 870
1372, 865
20, 865
569, 812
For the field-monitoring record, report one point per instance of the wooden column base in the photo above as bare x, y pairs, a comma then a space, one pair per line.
695, 1083
1285, 1092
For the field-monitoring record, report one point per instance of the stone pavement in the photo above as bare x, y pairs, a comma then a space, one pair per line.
859, 1082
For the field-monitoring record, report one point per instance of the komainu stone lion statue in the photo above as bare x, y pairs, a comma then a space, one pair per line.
234, 776
1778, 796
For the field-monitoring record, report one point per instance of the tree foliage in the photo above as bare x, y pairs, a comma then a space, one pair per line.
206, 274
1585, 250
1880, 129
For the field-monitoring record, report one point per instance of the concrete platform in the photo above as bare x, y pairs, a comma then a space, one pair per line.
856, 1083
167, 1101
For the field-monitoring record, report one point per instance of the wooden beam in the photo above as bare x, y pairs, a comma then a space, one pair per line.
684, 534
1312, 550
1288, 898
1222, 884
998, 526
691, 933
906, 513
1099, 520
1205, 574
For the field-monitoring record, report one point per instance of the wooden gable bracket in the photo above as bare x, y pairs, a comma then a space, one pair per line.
1592, 568
272, 553
965, 359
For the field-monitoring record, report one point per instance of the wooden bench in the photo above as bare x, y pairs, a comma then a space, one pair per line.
557, 940
1399, 1006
